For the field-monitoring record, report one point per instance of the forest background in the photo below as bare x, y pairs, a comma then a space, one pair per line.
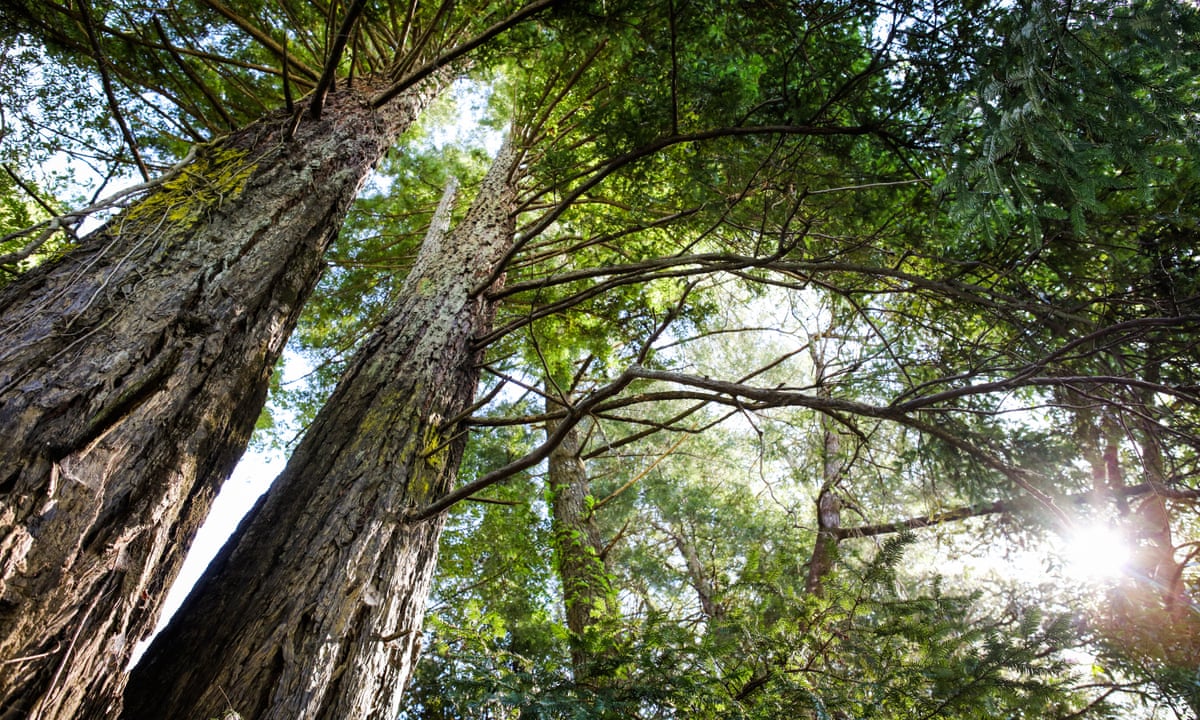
727, 368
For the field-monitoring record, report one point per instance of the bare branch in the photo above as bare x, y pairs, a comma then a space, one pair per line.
106, 82
263, 39
29, 190
457, 52
68, 220
334, 58
572, 417
734, 393
1000, 507
192, 77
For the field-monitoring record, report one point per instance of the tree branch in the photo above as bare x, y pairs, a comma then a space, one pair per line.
192, 77
733, 393
457, 52
651, 148
572, 417
1001, 507
29, 190
334, 59
263, 39
106, 82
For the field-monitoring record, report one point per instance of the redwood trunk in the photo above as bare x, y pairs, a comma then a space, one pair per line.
131, 375
314, 607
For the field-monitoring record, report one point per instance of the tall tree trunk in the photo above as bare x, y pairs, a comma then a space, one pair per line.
314, 607
587, 591
131, 375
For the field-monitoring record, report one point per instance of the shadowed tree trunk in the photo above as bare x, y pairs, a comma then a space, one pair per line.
131, 374
578, 548
314, 607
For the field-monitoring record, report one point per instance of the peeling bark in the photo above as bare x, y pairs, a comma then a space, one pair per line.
314, 607
131, 374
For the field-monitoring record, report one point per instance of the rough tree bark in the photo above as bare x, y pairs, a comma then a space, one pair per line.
131, 374
578, 548
314, 607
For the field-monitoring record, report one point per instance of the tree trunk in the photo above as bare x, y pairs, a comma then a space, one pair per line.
131, 374
578, 548
700, 578
825, 547
829, 503
314, 607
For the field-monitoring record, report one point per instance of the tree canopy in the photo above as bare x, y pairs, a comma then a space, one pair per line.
810, 315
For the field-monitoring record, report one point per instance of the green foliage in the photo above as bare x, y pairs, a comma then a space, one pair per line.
26, 245
876, 649
16, 211
977, 232
1078, 108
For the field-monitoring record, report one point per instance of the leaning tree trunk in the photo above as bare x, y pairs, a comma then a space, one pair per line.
314, 607
131, 374
578, 548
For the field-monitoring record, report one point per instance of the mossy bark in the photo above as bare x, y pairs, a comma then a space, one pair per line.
578, 548
132, 371
314, 607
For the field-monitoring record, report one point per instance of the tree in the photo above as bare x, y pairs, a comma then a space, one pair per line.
578, 549
789, 148
136, 368
138, 362
968, 357
335, 534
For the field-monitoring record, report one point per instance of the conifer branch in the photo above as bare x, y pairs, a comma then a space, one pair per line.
106, 82
459, 51
329, 72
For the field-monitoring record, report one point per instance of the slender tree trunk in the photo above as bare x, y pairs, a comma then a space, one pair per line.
314, 607
829, 503
825, 547
578, 548
829, 511
131, 375
700, 578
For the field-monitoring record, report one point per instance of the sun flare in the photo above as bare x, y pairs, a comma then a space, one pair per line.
1096, 552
